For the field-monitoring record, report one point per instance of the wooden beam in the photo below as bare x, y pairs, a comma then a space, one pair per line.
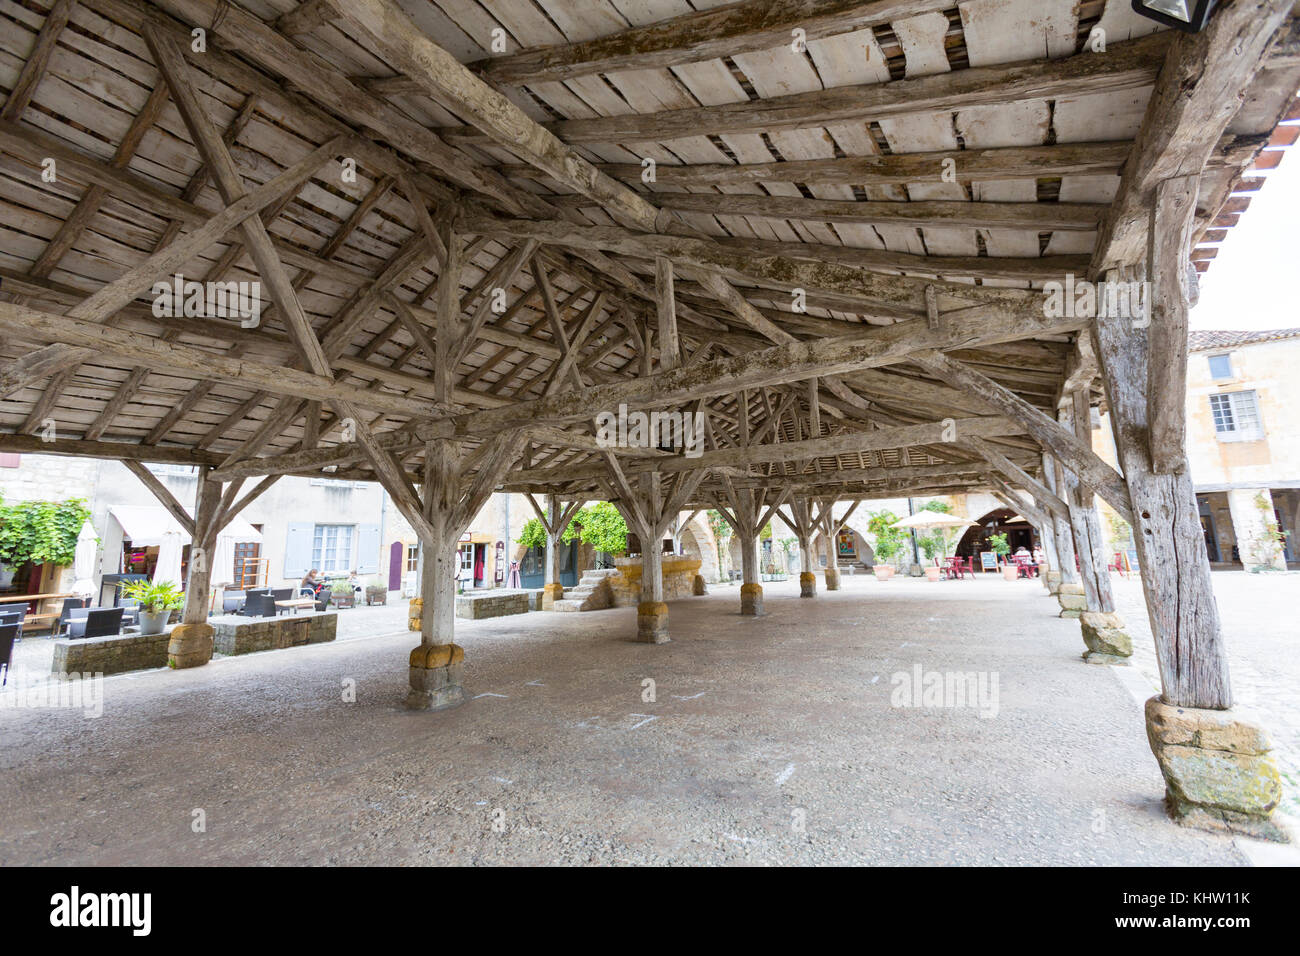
412, 52
164, 496
905, 436
24, 88
724, 31
1040, 217
1127, 65
137, 349
1201, 86
666, 310
893, 169
843, 269
1173, 213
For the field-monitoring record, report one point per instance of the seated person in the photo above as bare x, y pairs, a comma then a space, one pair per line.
311, 584
354, 582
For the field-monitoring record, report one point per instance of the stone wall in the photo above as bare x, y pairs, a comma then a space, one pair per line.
679, 579
233, 634
494, 603
110, 655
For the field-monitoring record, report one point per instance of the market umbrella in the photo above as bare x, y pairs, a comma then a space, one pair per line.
83, 562
168, 567
223, 561
932, 519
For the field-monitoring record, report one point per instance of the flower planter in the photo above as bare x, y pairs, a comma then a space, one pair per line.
884, 572
154, 622
932, 574
1010, 572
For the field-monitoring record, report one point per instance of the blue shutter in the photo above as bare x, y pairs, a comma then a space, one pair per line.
367, 549
297, 549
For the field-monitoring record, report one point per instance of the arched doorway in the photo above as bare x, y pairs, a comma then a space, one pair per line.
1020, 534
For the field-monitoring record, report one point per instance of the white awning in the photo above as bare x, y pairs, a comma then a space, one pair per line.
145, 525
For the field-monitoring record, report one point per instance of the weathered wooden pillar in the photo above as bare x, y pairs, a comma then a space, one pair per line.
650, 510
801, 521
1069, 587
435, 666
751, 590
190, 644
652, 611
554, 519
1217, 767
1102, 627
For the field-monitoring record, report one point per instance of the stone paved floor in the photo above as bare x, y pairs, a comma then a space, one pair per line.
769, 741
1262, 633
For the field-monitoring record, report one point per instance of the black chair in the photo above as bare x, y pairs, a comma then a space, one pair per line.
98, 622
8, 634
259, 604
15, 616
69, 604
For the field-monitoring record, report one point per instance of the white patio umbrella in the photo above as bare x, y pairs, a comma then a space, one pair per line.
933, 519
168, 567
223, 561
83, 562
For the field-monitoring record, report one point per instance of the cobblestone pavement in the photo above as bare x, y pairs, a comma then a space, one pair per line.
1261, 627
772, 740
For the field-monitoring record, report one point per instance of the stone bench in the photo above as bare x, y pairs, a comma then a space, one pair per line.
110, 655
496, 603
234, 634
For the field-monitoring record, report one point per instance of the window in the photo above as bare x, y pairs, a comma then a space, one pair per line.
412, 557
1220, 366
331, 548
1236, 416
467, 563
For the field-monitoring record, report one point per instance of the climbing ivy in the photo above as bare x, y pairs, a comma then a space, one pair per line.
600, 526
533, 535
35, 532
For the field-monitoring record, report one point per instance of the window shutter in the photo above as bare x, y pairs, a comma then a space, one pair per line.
367, 559
297, 549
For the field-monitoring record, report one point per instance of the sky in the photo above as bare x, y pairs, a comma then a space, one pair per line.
1254, 283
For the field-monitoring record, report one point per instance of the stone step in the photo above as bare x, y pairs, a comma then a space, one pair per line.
564, 604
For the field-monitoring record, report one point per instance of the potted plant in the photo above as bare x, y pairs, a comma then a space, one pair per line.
157, 601
341, 593
998, 543
933, 546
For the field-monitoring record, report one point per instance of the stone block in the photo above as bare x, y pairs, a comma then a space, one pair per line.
477, 605
241, 635
1219, 773
1105, 637
652, 622
115, 654
751, 599
832, 579
807, 584
189, 645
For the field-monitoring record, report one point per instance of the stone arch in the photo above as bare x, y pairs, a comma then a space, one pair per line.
975, 540
697, 541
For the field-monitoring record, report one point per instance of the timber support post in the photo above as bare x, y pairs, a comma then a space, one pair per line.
1218, 768
748, 517
554, 519
1069, 586
801, 521
190, 644
1103, 629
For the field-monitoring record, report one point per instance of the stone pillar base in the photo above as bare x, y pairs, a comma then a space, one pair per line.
697, 586
413, 614
1052, 579
1072, 600
652, 622
550, 594
1108, 642
807, 584
751, 599
1218, 771
435, 672
190, 645
832, 579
